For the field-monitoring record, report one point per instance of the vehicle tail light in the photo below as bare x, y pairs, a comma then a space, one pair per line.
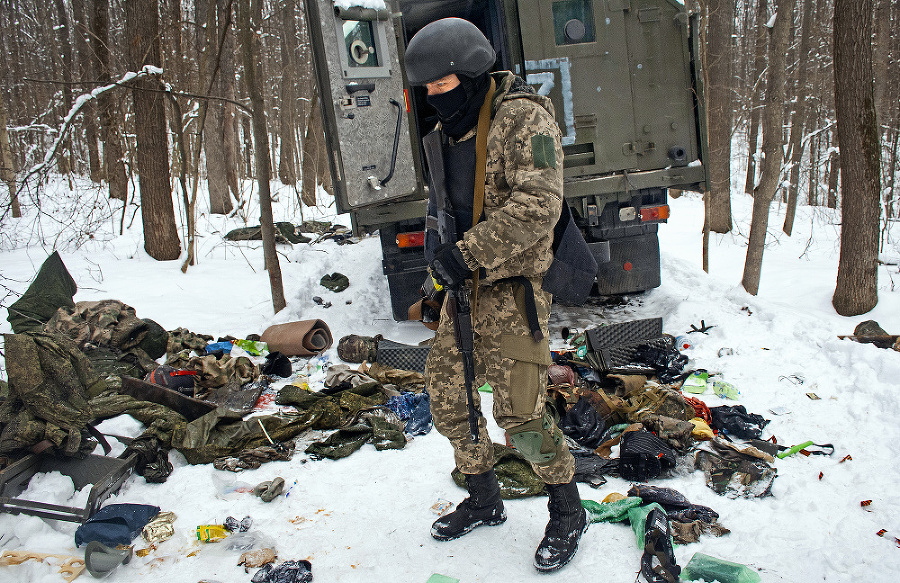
411, 240
655, 213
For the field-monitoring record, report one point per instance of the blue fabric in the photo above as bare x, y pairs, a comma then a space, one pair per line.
420, 420
116, 524
415, 409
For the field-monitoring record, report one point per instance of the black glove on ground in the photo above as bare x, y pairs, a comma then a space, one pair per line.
448, 266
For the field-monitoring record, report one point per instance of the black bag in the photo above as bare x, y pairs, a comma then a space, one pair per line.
583, 424
736, 421
574, 268
643, 456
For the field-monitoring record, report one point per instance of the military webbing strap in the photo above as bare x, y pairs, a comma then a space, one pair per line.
484, 124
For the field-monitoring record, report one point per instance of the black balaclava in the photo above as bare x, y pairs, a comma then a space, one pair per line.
458, 108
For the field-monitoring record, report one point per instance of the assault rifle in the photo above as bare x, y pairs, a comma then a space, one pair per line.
458, 308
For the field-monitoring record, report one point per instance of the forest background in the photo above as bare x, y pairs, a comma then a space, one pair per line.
169, 93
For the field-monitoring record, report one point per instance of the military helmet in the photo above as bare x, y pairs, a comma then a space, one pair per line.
449, 45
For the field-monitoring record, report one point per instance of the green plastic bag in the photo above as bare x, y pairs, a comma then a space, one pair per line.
254, 347
712, 569
610, 511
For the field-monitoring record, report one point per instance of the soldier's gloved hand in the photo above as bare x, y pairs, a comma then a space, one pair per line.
448, 266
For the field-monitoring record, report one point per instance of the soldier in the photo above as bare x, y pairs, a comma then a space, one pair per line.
499, 261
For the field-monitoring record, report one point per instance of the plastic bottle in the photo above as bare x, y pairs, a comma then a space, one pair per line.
712, 569
683, 343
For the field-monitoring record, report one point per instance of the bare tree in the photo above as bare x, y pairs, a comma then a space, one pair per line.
856, 291
720, 108
798, 119
755, 88
157, 211
7, 168
64, 162
313, 144
773, 141
287, 165
249, 49
218, 23
229, 121
83, 74
834, 174
109, 114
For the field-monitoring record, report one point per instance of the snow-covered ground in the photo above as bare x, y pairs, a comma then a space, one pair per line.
366, 518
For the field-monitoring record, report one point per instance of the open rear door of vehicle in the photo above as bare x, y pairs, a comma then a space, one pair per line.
364, 106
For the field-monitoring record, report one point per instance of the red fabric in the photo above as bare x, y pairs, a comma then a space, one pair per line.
700, 409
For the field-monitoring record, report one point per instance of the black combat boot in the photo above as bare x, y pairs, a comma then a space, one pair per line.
483, 506
568, 520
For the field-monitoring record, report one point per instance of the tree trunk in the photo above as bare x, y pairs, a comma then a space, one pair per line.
109, 114
261, 154
312, 144
720, 108
247, 157
89, 117
834, 174
812, 194
7, 167
759, 64
229, 133
882, 59
287, 169
773, 141
856, 291
798, 120
157, 211
214, 130
65, 158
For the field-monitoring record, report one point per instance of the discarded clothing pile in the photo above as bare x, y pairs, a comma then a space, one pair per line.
72, 365
619, 388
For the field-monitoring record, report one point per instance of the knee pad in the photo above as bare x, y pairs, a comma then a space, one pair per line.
538, 440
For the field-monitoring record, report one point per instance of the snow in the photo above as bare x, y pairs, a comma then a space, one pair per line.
373, 4
366, 518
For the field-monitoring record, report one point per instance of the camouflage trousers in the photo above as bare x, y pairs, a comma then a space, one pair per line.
510, 361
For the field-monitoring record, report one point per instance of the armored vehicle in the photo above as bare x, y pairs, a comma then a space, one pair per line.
624, 77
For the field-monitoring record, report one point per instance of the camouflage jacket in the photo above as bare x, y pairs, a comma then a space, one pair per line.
523, 185
105, 323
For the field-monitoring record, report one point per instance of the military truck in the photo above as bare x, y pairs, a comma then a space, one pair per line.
625, 81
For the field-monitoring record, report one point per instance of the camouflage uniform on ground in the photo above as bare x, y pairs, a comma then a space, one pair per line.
522, 201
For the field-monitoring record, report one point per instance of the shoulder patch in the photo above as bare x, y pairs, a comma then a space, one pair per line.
543, 151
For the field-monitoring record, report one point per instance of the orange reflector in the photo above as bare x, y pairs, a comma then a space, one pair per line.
406, 99
628, 266
410, 240
655, 213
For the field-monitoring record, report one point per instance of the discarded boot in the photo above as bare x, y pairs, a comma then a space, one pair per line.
268, 491
568, 521
484, 506
658, 561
